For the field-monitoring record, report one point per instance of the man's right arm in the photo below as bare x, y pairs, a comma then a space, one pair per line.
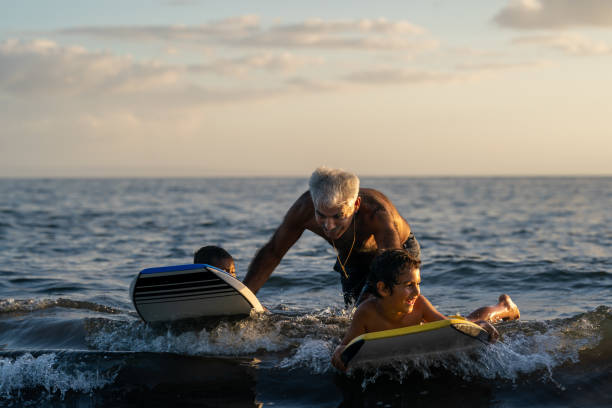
270, 255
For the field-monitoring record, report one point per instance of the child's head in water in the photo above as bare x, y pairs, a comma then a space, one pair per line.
387, 267
394, 280
217, 257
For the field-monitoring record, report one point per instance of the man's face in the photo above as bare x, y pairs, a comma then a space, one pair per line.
334, 221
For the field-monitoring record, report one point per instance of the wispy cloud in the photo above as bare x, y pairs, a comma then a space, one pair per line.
568, 43
44, 67
555, 14
500, 66
181, 2
282, 63
399, 76
43, 70
460, 72
248, 31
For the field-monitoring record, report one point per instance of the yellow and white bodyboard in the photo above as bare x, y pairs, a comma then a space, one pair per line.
443, 336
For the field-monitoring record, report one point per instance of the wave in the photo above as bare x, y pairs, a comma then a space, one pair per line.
11, 305
307, 342
299, 344
45, 376
259, 333
526, 348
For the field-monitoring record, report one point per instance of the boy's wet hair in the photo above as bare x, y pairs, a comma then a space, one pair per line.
386, 268
210, 255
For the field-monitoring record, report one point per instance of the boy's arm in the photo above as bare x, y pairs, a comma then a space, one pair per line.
493, 333
356, 328
430, 313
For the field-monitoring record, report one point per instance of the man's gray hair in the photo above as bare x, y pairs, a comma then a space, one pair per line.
333, 187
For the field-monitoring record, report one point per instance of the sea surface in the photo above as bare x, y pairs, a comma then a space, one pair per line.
70, 337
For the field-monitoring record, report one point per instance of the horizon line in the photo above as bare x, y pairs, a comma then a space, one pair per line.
305, 175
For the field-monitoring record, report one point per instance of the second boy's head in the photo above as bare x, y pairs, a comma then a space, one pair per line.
395, 274
217, 257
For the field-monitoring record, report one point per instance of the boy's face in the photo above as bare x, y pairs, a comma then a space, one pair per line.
406, 291
227, 265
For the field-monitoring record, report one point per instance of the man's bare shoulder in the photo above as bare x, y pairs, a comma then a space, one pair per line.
374, 202
379, 213
374, 196
303, 206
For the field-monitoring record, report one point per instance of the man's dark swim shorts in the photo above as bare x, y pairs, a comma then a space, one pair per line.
358, 274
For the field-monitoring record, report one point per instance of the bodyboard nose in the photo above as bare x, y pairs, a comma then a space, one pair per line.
180, 292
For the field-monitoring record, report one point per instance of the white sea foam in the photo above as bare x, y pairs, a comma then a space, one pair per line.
524, 351
313, 354
258, 333
27, 372
246, 336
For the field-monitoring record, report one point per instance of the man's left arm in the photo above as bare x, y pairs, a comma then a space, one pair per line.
386, 232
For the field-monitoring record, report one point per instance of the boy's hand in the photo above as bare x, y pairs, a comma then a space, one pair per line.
337, 360
493, 333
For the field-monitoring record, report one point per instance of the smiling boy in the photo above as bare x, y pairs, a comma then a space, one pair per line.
394, 282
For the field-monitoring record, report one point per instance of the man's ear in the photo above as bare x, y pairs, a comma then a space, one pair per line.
357, 204
382, 289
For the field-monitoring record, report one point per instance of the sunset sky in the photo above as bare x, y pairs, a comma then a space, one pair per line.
198, 88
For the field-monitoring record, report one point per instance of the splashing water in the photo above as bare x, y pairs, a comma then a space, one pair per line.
28, 372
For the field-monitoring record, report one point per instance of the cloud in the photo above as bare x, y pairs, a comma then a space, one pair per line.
469, 52
181, 2
399, 76
229, 29
500, 66
554, 14
247, 31
45, 68
312, 85
43, 72
461, 72
571, 44
49, 79
283, 63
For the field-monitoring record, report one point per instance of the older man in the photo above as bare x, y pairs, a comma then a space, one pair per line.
355, 221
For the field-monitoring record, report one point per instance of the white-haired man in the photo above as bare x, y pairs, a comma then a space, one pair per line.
355, 221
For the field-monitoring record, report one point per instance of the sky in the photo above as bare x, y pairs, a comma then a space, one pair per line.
199, 88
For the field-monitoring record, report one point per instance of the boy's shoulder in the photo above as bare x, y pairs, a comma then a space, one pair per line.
367, 309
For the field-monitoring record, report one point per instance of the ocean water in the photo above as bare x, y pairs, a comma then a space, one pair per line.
70, 337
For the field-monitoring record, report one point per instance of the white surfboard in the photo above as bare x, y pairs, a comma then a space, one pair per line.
443, 336
190, 291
